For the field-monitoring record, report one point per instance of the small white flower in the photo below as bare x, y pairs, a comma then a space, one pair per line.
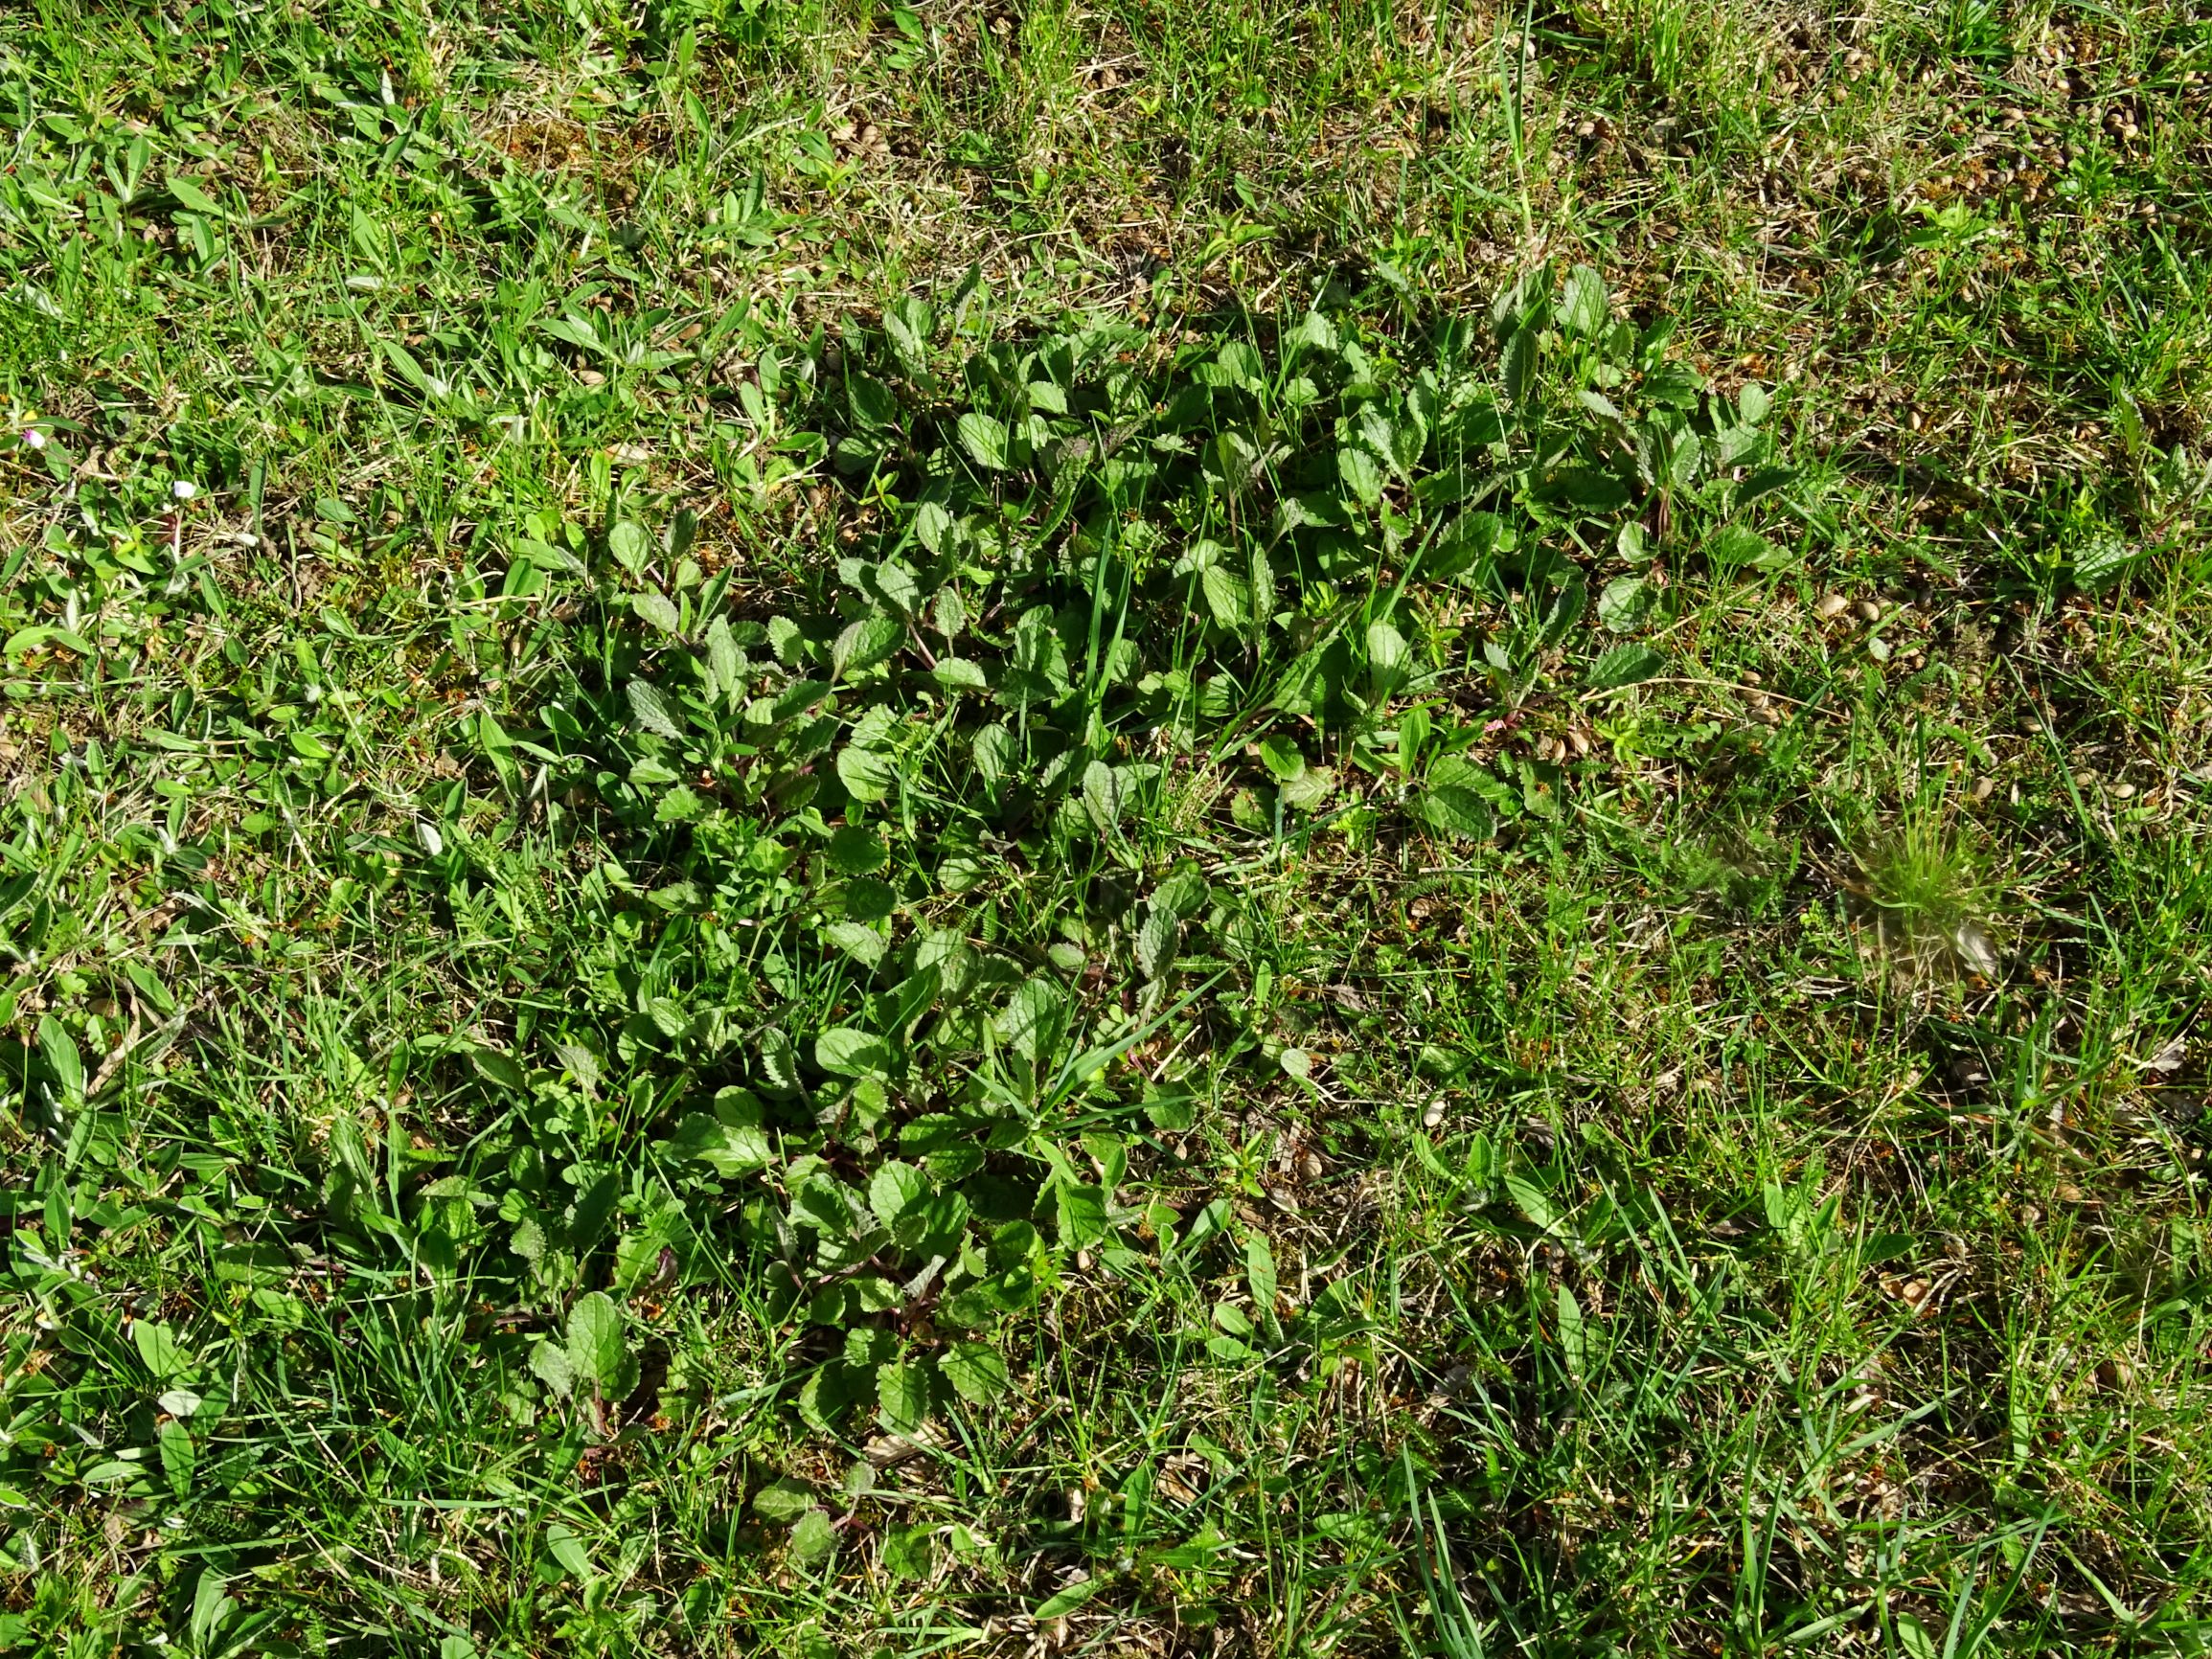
184, 490
35, 438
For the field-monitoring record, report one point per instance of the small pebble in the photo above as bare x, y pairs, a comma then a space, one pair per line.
1832, 605
1870, 610
1984, 788
2123, 791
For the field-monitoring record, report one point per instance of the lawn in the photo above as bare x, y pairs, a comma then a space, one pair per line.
1104, 828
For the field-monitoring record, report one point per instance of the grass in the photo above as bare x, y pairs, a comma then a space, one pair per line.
1124, 829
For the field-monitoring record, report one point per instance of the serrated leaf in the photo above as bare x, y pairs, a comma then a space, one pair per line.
1582, 305
1626, 603
787, 640
654, 710
782, 1502
901, 1398
977, 1373
813, 1536
779, 1061
1082, 1214
867, 774
2103, 559
854, 850
630, 545
1519, 364
682, 805
1226, 597
849, 1053
725, 661
1032, 1018
900, 587
596, 1348
730, 1140
933, 525
895, 1190
986, 441
865, 643
1157, 941
1685, 459
1734, 546
949, 612
1624, 666
1389, 659
1105, 793
1182, 894
994, 752
1360, 473
658, 609
1262, 587
1305, 793
1453, 802
549, 1363
1764, 481
959, 674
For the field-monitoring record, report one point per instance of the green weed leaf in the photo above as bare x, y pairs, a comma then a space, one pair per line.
1626, 666
1454, 802
977, 1373
848, 1052
986, 441
1583, 306
1627, 604
902, 1398
653, 709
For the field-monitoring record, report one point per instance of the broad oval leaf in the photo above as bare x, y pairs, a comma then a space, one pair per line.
1453, 802
658, 609
986, 441
853, 1054
895, 1188
1626, 603
849, 1053
1583, 306
596, 1348
630, 545
867, 774
1624, 666
902, 1398
654, 710
865, 643
977, 1373
730, 1142
1734, 545
1360, 472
